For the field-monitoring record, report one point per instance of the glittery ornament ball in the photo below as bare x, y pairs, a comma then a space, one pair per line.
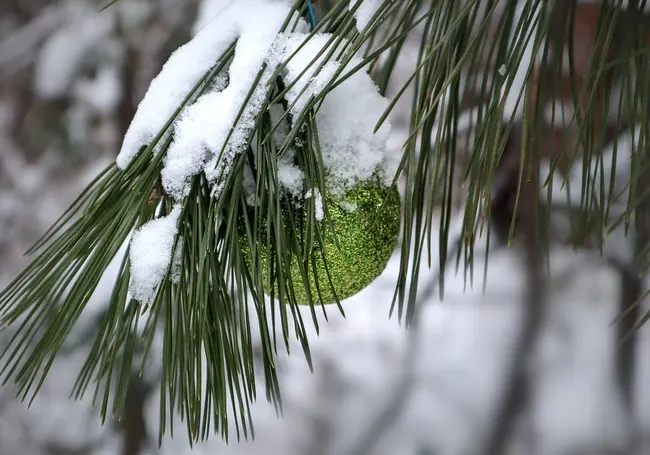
366, 224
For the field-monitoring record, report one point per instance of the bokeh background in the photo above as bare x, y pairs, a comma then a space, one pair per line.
70, 80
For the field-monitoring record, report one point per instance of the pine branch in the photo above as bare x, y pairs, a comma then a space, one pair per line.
224, 246
229, 252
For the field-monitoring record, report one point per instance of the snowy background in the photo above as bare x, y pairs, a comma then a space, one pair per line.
69, 83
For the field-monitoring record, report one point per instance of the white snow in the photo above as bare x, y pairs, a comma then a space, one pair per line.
365, 12
253, 22
290, 176
346, 118
65, 51
209, 10
151, 255
104, 92
208, 124
237, 138
17, 50
311, 83
318, 202
208, 134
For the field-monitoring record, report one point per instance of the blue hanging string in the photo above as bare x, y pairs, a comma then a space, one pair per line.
312, 14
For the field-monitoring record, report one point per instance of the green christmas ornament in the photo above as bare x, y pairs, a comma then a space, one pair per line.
366, 224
